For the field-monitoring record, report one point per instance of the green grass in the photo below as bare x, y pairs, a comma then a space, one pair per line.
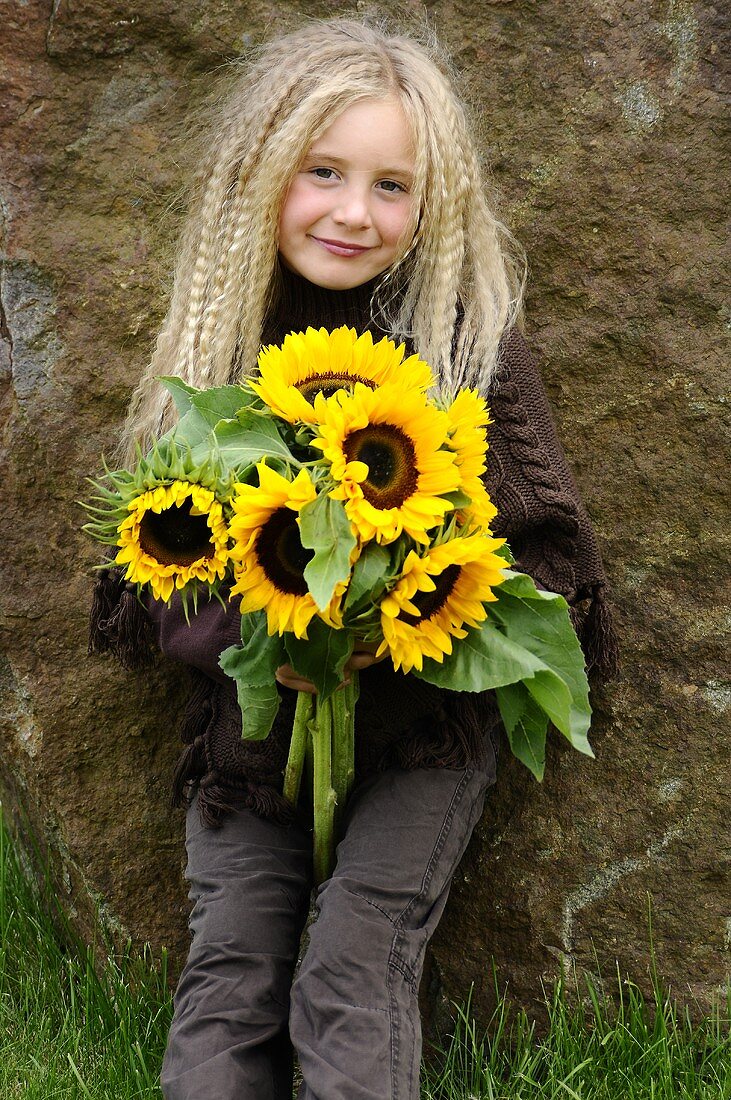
69, 1028
596, 1048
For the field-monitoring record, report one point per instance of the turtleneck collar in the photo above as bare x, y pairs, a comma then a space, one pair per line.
302, 303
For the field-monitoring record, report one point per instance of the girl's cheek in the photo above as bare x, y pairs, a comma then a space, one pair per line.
299, 199
398, 220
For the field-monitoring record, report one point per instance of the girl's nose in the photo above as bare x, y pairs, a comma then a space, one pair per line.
352, 210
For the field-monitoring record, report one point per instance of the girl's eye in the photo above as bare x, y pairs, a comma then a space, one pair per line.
392, 186
323, 173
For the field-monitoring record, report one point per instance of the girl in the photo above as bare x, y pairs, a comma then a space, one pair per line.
340, 185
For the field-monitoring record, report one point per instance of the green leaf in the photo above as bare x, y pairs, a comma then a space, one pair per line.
253, 665
222, 403
485, 659
520, 584
526, 726
207, 409
325, 528
259, 707
553, 696
321, 657
370, 574
182, 393
258, 657
212, 405
540, 621
244, 441
191, 430
527, 649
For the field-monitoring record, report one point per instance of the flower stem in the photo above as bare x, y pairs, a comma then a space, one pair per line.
297, 747
343, 744
323, 793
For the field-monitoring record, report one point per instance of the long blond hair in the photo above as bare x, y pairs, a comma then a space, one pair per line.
455, 287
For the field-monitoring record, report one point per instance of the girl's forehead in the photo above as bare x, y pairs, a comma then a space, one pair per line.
373, 130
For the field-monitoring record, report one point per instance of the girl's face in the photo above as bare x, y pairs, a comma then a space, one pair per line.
347, 207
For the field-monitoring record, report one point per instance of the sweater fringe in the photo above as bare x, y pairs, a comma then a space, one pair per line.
190, 765
118, 622
599, 638
103, 601
591, 618
216, 796
216, 800
458, 737
198, 708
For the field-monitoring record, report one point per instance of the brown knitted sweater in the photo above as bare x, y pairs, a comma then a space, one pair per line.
399, 719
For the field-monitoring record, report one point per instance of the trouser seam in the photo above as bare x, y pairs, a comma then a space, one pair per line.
438, 846
373, 904
398, 963
394, 1026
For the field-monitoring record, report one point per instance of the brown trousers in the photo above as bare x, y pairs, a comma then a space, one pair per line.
352, 1012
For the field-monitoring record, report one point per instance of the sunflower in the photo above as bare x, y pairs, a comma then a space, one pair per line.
269, 558
436, 596
321, 362
386, 451
468, 419
173, 534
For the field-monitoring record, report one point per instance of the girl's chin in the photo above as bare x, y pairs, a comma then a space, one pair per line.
333, 276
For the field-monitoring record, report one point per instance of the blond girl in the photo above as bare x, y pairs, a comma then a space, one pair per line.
338, 183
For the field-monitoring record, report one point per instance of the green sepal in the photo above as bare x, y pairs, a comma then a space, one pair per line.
184, 602
192, 591
325, 528
369, 578
526, 726
504, 551
457, 498
321, 657
253, 665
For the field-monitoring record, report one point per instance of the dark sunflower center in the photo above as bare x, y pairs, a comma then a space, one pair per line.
429, 603
391, 460
281, 554
329, 382
175, 537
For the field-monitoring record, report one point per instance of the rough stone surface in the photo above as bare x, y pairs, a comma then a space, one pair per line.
602, 123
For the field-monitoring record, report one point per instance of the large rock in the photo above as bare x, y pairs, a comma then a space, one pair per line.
602, 123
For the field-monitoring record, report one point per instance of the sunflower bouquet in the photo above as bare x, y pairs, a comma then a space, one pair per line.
344, 504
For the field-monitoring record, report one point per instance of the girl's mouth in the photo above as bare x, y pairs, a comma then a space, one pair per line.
342, 248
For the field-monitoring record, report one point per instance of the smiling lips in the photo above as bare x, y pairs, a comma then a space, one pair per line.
341, 248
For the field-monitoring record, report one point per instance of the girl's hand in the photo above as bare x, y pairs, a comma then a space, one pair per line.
286, 676
363, 655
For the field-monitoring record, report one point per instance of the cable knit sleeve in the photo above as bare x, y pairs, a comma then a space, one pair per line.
540, 511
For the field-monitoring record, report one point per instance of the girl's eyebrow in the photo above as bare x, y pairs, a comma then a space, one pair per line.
319, 156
